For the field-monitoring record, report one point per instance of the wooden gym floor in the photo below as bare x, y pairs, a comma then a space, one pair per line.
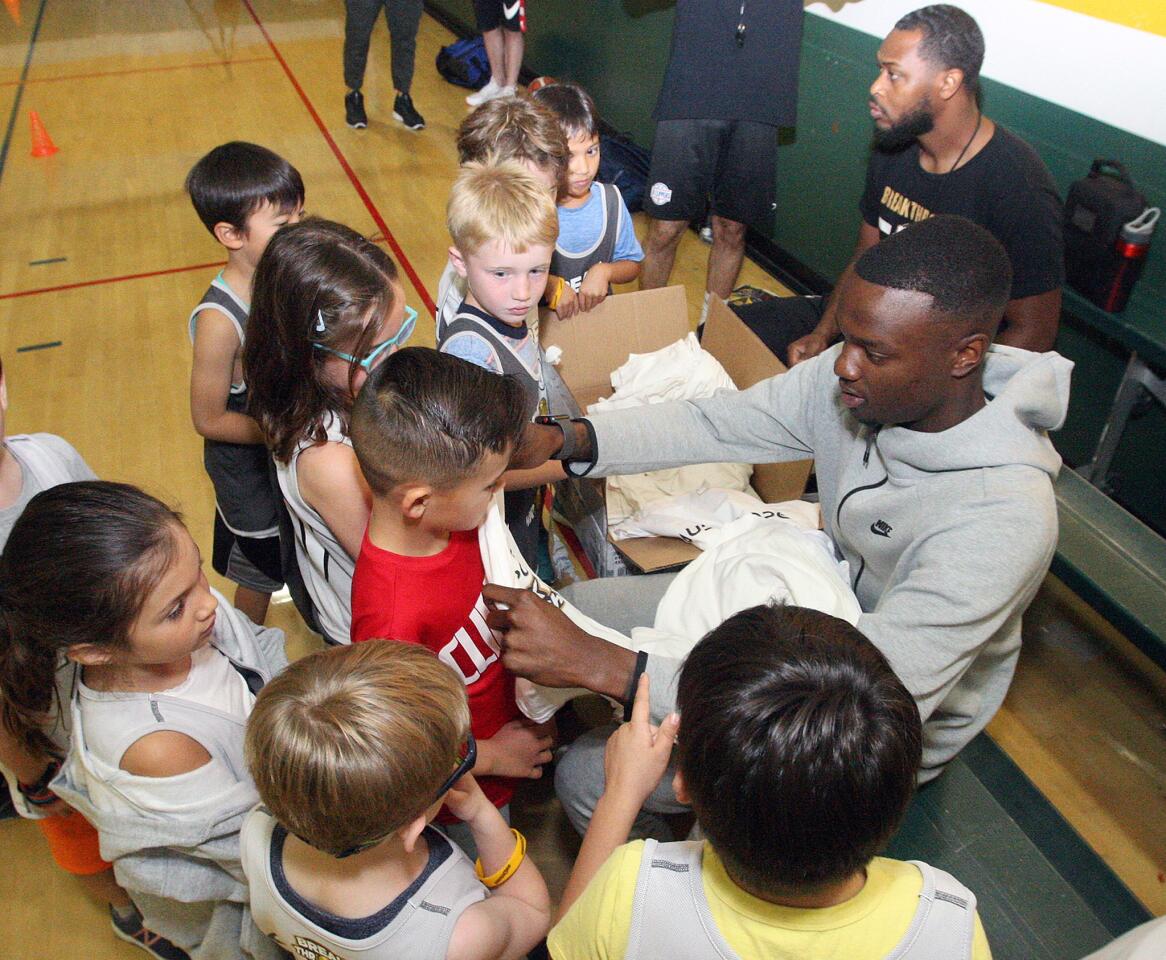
103, 258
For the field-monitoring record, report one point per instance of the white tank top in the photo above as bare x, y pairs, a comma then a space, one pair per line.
325, 565
417, 925
112, 724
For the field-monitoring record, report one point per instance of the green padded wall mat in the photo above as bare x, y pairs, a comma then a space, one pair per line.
1043, 893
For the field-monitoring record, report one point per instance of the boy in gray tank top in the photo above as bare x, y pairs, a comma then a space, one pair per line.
354, 750
797, 748
243, 193
503, 225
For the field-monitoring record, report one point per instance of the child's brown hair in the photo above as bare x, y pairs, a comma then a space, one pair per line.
352, 743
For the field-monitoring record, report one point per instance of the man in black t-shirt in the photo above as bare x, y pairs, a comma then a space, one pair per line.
731, 82
935, 152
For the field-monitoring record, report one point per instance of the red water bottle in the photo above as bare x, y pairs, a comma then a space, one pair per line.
1133, 243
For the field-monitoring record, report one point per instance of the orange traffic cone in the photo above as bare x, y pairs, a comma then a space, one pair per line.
13, 10
42, 143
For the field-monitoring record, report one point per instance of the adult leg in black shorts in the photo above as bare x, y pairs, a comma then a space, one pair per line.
731, 162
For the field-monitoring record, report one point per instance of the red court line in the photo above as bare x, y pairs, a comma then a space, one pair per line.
103, 280
402, 260
123, 73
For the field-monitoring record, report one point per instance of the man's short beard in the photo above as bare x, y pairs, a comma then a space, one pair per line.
910, 127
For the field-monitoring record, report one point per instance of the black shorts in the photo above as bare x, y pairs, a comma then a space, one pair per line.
252, 562
509, 14
731, 162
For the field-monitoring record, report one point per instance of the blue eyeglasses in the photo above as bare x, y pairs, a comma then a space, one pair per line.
398, 339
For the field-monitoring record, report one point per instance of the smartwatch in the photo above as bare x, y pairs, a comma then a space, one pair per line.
567, 451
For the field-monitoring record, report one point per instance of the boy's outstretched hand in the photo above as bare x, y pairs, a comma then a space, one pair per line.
518, 749
637, 753
593, 289
466, 800
636, 758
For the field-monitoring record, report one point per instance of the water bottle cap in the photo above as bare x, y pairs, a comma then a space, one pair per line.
1141, 228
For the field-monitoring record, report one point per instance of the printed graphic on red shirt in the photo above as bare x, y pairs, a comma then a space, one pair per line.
473, 648
437, 603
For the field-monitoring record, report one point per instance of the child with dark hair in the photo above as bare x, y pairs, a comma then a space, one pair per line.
797, 747
328, 308
106, 617
597, 245
382, 731
243, 193
30, 463
433, 435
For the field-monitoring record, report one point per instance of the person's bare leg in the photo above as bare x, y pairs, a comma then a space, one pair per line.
253, 603
660, 251
496, 54
726, 256
514, 48
104, 888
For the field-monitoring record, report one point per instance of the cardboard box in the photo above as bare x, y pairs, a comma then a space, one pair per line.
597, 343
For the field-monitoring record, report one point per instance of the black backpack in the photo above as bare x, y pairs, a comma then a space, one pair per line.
624, 163
1095, 210
464, 63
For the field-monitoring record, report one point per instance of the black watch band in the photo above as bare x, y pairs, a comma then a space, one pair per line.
567, 451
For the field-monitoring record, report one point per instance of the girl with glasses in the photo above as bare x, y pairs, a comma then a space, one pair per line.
327, 306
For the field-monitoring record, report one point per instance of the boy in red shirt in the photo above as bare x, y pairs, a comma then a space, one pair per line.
433, 435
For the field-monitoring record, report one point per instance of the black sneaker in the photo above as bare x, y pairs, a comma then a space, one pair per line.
133, 930
404, 111
354, 114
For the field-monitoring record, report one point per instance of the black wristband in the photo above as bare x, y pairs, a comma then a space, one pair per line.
637, 672
588, 462
39, 794
567, 450
568, 453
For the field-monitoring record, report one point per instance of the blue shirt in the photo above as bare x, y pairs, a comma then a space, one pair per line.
581, 229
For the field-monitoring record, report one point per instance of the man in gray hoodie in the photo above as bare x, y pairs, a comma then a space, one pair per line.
934, 470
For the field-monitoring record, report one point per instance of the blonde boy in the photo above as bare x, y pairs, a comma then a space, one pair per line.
353, 750
503, 224
243, 193
504, 129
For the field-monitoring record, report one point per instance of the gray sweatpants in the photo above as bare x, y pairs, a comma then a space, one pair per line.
620, 603
403, 18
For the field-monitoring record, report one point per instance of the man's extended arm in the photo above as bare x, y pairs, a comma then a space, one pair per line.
770, 422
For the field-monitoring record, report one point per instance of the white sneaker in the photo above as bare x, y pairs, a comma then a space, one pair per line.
488, 92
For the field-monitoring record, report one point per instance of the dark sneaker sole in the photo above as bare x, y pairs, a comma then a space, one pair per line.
415, 126
173, 953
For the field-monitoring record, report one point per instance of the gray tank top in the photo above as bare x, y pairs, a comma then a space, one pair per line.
469, 321
244, 496
669, 885
572, 266
416, 925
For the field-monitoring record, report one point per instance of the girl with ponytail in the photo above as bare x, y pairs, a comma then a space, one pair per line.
107, 621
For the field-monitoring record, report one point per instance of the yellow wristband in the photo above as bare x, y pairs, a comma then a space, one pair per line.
554, 298
509, 868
